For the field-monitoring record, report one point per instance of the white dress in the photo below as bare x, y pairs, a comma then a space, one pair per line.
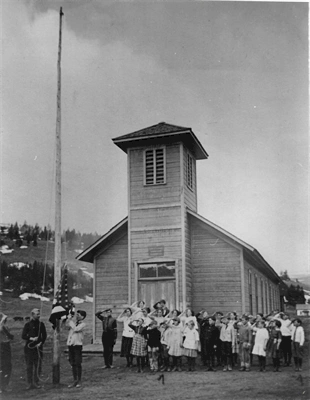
261, 338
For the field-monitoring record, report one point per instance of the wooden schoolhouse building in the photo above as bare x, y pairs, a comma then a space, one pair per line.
164, 249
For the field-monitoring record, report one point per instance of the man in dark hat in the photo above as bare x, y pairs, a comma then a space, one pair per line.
34, 333
109, 335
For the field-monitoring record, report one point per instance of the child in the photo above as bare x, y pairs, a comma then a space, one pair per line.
186, 316
161, 305
235, 346
273, 344
153, 341
75, 345
211, 338
127, 335
298, 340
137, 308
157, 315
227, 337
260, 343
164, 341
286, 330
139, 343
5, 352
175, 344
245, 340
190, 344
203, 321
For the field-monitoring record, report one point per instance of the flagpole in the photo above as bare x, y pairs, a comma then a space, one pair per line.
57, 254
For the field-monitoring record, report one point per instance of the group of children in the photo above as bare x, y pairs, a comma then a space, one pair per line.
159, 339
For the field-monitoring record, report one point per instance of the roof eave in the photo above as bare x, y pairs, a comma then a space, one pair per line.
88, 254
245, 245
125, 143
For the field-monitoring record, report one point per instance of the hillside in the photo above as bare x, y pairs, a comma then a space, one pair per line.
302, 280
43, 252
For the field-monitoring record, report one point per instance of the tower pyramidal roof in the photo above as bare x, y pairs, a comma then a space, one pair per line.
162, 133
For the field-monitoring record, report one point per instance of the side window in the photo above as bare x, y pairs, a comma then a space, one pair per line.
190, 170
154, 166
250, 292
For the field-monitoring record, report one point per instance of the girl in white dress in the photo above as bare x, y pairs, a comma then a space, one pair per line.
260, 344
190, 344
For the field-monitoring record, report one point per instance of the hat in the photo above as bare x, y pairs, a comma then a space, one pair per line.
108, 310
176, 319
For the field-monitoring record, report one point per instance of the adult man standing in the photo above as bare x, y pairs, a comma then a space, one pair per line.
34, 333
109, 335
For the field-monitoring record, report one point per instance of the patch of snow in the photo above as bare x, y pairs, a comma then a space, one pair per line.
90, 274
77, 300
18, 265
23, 247
6, 251
27, 296
89, 299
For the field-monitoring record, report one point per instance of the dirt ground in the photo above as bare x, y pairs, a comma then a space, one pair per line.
124, 383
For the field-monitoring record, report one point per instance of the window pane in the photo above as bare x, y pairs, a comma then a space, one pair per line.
166, 269
147, 270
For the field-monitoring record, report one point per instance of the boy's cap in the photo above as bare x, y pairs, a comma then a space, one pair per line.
82, 313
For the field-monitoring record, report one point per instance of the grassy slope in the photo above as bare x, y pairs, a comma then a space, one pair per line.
44, 252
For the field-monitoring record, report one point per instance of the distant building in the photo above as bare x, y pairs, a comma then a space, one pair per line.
164, 249
303, 310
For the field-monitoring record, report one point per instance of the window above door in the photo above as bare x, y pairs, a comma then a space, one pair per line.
157, 270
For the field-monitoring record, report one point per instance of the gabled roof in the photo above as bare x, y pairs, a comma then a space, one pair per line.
162, 133
249, 251
89, 254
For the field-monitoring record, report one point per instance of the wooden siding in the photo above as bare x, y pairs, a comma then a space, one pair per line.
190, 195
111, 281
188, 261
155, 217
154, 194
216, 277
169, 240
272, 303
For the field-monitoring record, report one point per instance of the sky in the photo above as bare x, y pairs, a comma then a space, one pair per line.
235, 72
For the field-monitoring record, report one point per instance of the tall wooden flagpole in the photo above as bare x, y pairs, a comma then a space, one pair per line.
57, 254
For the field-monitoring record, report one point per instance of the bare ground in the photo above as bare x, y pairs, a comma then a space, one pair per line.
125, 383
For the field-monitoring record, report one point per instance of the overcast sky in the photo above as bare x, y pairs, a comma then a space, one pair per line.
235, 72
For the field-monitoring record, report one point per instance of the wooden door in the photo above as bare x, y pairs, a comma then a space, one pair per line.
153, 291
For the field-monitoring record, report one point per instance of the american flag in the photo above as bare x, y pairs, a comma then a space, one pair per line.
61, 304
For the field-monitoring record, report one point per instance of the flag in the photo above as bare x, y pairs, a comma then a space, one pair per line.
61, 305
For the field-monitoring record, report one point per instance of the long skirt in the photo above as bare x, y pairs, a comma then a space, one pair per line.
139, 346
126, 346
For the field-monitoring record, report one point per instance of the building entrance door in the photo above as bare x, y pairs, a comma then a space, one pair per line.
155, 290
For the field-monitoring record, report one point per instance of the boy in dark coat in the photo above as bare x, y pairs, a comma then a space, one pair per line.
109, 335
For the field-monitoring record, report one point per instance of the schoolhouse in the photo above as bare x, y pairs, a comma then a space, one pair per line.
164, 249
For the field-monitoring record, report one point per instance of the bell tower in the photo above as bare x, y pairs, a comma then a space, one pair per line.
162, 185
